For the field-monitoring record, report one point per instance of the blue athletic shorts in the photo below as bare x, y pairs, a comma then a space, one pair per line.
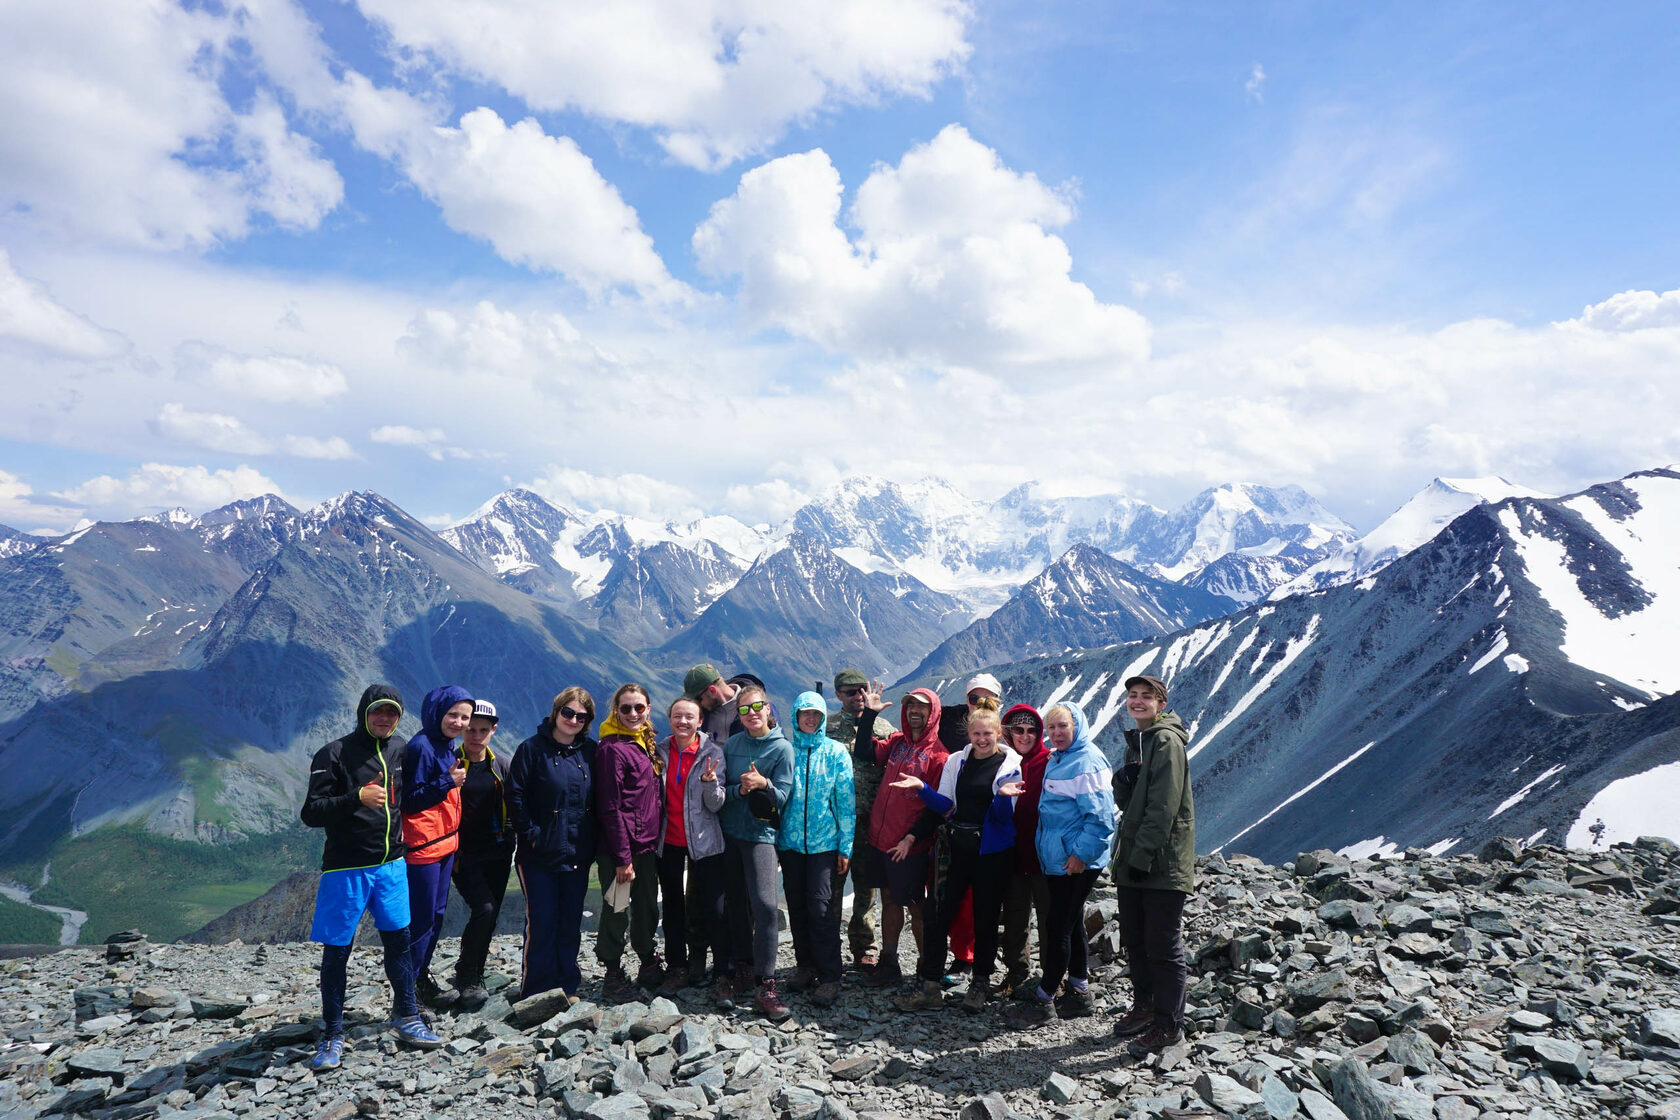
344, 896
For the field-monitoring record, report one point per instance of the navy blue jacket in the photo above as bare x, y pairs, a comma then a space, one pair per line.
551, 800
430, 756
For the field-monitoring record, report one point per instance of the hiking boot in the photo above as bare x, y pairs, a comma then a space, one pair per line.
674, 982
1031, 1011
865, 961
651, 974
414, 1032
978, 997
723, 992
616, 987
1154, 1040
697, 975
885, 975
1134, 1022
1026, 989
1012, 983
928, 996
826, 995
743, 982
473, 997
803, 980
431, 993
328, 1054
1074, 1003
769, 1004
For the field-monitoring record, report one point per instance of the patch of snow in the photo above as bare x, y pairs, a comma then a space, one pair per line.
147, 548
1524, 791
1626, 705
1298, 794
1294, 649
1516, 662
1235, 657
1442, 847
1534, 839
1085, 697
1500, 645
1377, 847
1643, 804
1058, 692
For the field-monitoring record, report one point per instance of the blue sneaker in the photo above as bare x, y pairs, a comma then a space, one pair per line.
328, 1054
414, 1031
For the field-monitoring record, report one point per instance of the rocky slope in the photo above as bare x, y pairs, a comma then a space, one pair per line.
1533, 983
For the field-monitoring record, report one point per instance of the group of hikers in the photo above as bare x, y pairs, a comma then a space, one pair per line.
962, 823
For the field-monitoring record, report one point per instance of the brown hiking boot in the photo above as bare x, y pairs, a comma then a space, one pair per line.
826, 995
803, 979
651, 974
616, 986
723, 992
1134, 1022
885, 975
928, 996
769, 1004
1154, 1040
675, 981
978, 997
1074, 1003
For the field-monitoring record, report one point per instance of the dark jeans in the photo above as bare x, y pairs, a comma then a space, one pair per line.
553, 928
704, 885
335, 973
813, 888
481, 878
1026, 894
639, 922
986, 877
428, 897
1064, 935
749, 885
1149, 928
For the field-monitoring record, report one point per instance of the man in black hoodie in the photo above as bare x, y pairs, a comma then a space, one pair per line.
355, 786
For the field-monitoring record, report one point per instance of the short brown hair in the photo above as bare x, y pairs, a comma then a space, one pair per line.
577, 697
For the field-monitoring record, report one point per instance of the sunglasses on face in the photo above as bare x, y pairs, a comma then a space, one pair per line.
574, 714
1021, 729
856, 690
631, 709
755, 706
976, 697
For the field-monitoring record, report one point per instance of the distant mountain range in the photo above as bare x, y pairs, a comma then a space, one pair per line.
172, 674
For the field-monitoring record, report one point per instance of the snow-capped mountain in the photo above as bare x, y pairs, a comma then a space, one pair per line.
1489, 682
1245, 578
1085, 599
1426, 513
13, 542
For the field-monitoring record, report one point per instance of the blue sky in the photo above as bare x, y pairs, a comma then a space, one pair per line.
679, 258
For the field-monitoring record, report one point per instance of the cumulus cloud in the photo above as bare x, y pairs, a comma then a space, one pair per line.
714, 82
21, 510
401, 435
1633, 311
157, 486
209, 430
953, 263
276, 378
635, 494
490, 339
33, 322
117, 128
316, 447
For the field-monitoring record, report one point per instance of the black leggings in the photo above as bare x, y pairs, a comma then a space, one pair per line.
481, 879
987, 876
1064, 940
704, 886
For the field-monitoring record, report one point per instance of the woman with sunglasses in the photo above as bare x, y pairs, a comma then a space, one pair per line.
758, 768
630, 803
551, 808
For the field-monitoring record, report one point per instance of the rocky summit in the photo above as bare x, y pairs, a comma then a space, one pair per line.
1513, 984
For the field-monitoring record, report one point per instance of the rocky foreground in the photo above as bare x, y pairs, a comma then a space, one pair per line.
1511, 984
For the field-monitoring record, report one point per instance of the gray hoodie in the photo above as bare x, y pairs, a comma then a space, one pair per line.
701, 800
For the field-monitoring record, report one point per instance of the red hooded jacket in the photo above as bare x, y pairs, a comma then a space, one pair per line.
896, 810
1026, 806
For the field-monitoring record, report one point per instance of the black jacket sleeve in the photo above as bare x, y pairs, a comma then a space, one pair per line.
327, 800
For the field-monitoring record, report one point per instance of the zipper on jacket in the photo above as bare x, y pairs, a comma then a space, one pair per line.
384, 770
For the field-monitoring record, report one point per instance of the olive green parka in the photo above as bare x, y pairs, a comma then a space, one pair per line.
1158, 825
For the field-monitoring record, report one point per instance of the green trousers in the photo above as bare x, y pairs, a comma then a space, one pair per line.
640, 921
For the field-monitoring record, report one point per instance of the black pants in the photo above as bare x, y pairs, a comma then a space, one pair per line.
987, 877
1150, 923
1064, 940
702, 885
481, 879
813, 889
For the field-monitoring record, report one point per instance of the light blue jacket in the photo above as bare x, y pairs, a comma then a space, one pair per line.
1076, 810
821, 814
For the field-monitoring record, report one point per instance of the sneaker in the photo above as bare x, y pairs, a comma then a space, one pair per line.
1032, 1011
723, 992
978, 997
1134, 1022
651, 974
1154, 1040
414, 1032
826, 995
328, 1054
616, 987
885, 975
1074, 1003
473, 997
803, 980
769, 1004
928, 996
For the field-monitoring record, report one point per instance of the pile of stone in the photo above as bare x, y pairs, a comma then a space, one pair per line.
1516, 984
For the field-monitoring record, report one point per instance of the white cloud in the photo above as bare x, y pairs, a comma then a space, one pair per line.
21, 511
157, 486
1633, 311
537, 199
765, 502
401, 435
1255, 87
116, 128
209, 430
277, 378
315, 447
953, 263
32, 321
635, 494
487, 339
714, 81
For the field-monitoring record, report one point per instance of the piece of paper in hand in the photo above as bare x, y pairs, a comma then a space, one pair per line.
617, 897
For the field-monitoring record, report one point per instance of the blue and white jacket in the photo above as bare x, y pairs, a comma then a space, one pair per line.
1076, 810
821, 812
997, 831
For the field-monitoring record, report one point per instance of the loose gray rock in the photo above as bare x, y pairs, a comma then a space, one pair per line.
1060, 1089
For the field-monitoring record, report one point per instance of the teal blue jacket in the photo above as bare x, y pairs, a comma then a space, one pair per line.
773, 757
821, 815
